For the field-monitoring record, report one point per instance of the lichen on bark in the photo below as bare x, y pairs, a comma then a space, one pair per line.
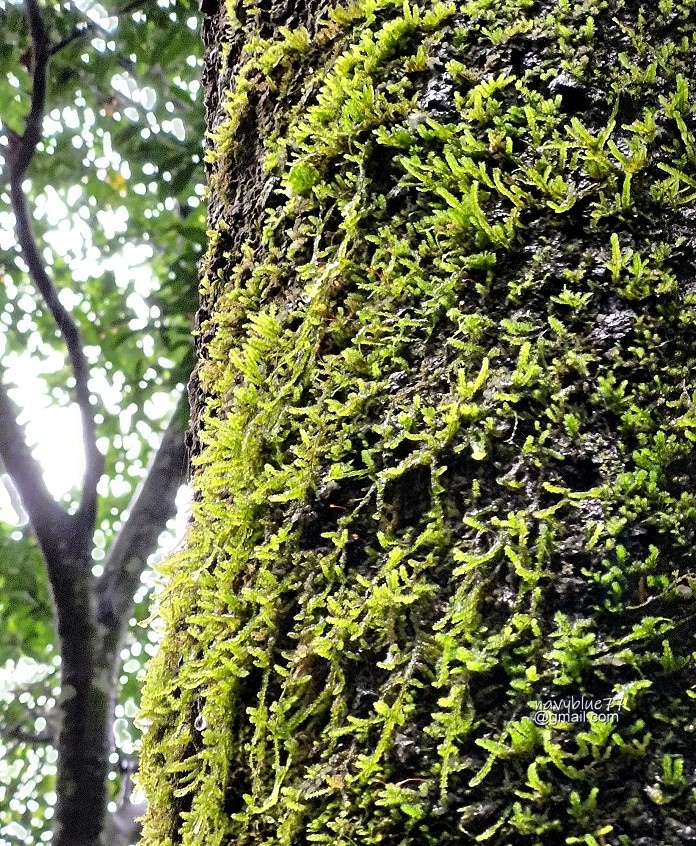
447, 425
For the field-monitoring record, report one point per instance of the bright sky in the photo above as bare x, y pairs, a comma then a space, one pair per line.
55, 432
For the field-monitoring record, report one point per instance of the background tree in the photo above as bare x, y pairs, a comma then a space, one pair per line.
446, 402
101, 147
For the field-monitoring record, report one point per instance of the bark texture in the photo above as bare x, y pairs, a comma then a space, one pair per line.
445, 418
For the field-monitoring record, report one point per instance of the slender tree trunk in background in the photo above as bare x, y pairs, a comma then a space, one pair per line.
86, 713
446, 420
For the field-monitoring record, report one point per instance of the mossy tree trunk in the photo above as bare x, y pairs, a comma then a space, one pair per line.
446, 429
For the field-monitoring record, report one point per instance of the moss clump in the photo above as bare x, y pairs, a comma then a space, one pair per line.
449, 440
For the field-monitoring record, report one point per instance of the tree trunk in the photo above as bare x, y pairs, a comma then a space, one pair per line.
86, 704
439, 583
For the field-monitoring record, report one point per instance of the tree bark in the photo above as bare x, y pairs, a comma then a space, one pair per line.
86, 710
439, 583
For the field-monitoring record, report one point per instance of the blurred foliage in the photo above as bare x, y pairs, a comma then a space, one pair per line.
116, 190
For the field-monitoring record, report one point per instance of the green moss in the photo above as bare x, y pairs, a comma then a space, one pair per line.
449, 442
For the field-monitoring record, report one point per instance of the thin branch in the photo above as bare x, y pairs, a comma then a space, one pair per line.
21, 152
18, 734
68, 328
13, 495
85, 27
21, 148
152, 505
47, 517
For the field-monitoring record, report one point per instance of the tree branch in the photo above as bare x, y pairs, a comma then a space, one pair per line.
21, 148
152, 505
68, 328
21, 152
18, 734
46, 516
85, 27
13, 494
